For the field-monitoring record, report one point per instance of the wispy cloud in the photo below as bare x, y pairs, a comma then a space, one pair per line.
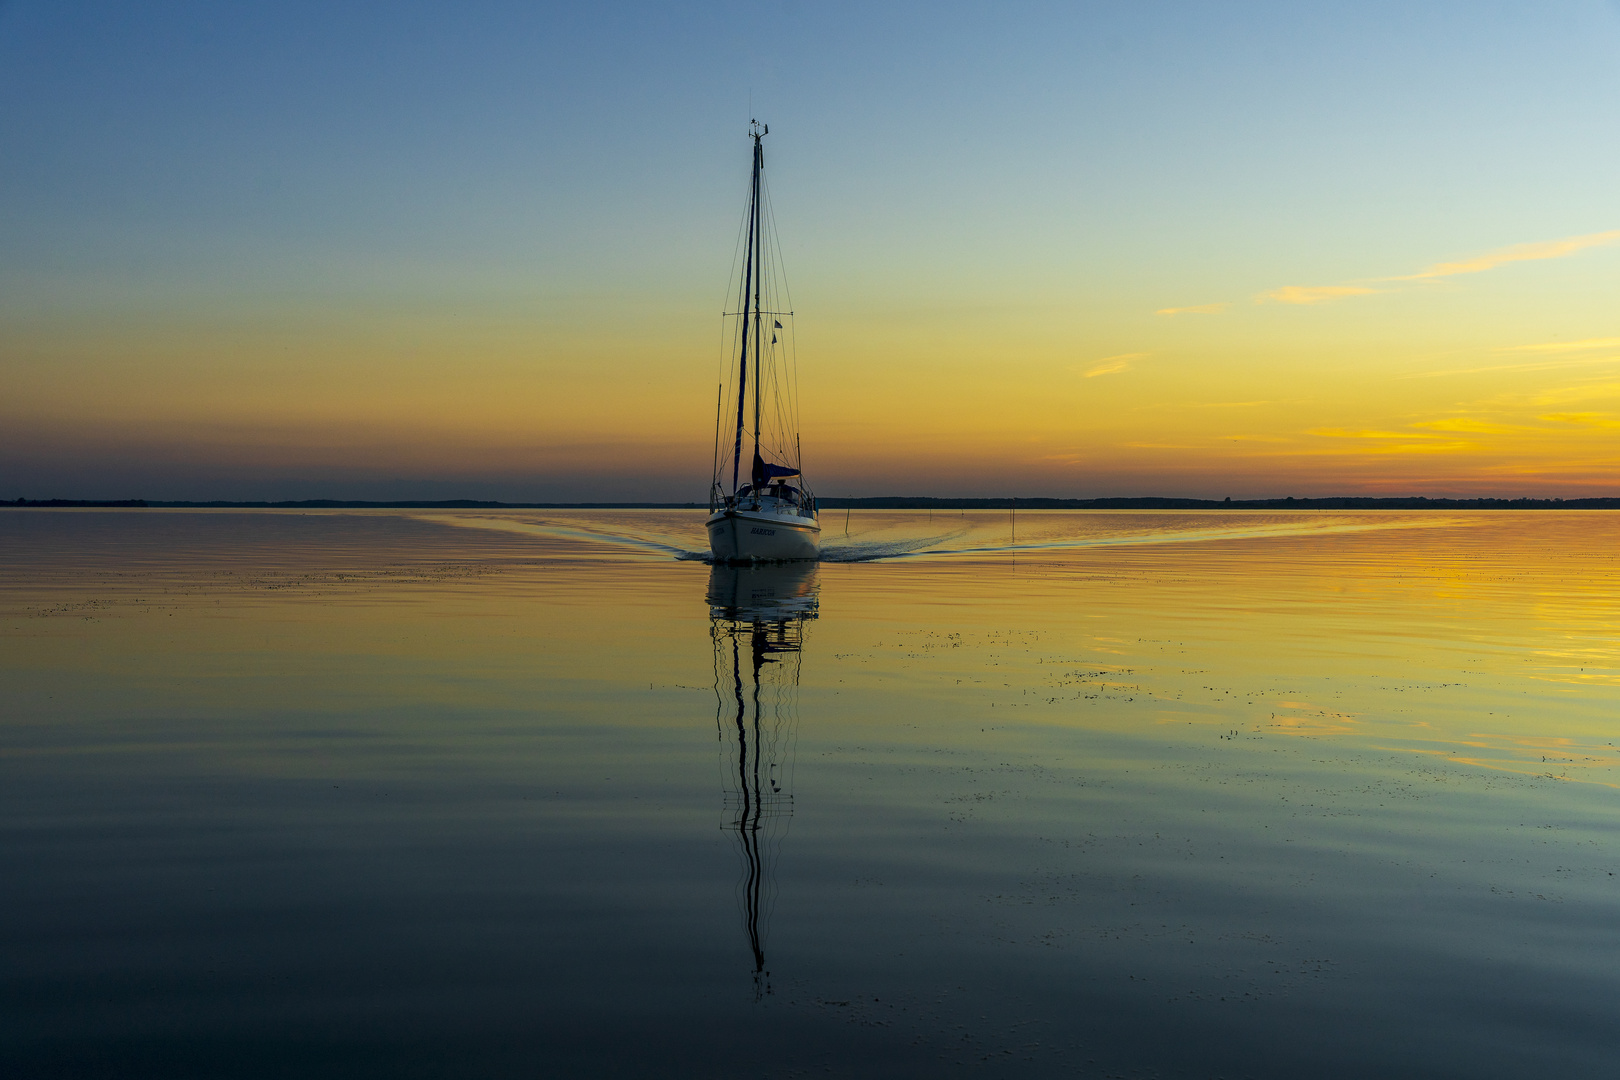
1570, 395
1541, 365
1395, 442
1470, 425
1583, 419
1196, 309
1545, 249
1313, 294
1566, 346
1363, 433
1113, 365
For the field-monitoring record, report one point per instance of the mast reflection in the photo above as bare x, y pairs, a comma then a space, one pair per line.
757, 616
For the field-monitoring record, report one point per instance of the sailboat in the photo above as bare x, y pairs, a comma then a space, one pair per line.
767, 514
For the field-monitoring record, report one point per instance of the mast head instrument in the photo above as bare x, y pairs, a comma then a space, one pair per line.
757, 130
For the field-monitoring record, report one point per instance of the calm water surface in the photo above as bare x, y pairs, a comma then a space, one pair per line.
436, 793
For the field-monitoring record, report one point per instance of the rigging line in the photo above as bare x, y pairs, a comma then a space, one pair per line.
728, 346
742, 366
739, 343
787, 291
784, 406
781, 407
783, 431
736, 252
776, 240
798, 424
783, 386
720, 402
724, 351
789, 432
726, 358
772, 276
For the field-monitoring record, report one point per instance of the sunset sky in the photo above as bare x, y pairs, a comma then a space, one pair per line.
430, 250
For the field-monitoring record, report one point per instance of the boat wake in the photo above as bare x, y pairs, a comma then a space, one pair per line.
1269, 530
852, 551
602, 530
668, 535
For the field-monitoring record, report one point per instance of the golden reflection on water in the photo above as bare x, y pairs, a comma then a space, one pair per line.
1489, 638
1158, 759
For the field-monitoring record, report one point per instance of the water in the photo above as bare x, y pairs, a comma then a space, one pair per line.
1144, 794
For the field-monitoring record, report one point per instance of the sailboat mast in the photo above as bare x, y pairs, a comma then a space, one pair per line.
759, 369
747, 287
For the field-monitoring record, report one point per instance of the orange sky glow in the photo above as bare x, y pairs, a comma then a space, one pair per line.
1342, 262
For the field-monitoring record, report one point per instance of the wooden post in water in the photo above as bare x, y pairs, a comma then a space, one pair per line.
1015, 520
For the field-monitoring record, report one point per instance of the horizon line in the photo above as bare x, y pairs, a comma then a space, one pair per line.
872, 502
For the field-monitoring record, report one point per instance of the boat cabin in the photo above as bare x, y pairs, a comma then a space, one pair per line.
783, 493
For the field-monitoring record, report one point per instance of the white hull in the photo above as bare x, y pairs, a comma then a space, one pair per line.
763, 536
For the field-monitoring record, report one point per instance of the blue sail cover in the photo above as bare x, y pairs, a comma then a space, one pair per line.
764, 472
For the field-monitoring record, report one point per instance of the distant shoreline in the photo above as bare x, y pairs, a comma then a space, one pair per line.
879, 503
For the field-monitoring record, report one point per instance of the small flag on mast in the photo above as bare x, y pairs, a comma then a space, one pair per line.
778, 324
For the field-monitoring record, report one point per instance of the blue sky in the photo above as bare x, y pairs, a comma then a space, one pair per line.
493, 192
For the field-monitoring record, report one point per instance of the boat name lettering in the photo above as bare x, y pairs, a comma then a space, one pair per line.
763, 532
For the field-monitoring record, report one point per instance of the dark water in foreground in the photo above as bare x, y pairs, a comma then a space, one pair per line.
1142, 794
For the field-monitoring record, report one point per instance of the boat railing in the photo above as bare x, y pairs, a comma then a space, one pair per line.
798, 504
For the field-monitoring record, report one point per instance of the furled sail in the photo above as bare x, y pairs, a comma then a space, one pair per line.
765, 472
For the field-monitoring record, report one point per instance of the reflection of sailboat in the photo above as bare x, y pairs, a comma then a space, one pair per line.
757, 616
